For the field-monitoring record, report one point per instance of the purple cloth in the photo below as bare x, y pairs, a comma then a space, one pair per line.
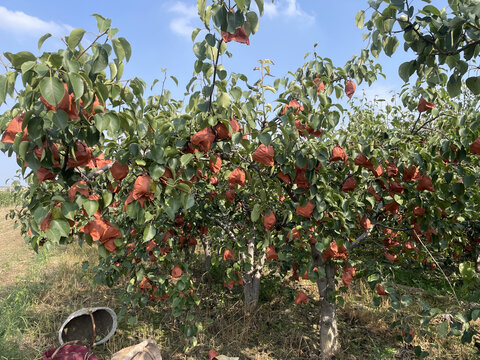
68, 352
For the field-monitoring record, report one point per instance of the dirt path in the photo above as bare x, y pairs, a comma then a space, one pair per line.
15, 254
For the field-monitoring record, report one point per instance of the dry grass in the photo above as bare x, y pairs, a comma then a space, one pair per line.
39, 296
14, 255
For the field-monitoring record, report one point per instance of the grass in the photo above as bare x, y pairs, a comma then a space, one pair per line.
34, 304
6, 199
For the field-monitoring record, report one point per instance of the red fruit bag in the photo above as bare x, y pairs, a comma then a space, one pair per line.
68, 352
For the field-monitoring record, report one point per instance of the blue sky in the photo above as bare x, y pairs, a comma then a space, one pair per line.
160, 35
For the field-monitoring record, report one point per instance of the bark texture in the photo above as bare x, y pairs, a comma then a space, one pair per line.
328, 312
251, 278
251, 290
208, 254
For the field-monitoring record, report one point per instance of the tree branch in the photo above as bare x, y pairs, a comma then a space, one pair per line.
424, 124
89, 46
100, 171
214, 75
438, 265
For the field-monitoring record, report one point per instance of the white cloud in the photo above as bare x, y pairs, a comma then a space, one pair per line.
271, 10
384, 92
381, 95
182, 22
288, 8
19, 23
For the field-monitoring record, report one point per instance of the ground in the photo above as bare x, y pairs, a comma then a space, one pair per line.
39, 291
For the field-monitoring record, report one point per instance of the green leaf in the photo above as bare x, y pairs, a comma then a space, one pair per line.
195, 33
222, 74
360, 19
101, 61
405, 71
237, 137
60, 119
118, 49
260, 6
22, 149
475, 314
406, 300
223, 99
149, 233
107, 198
467, 336
240, 4
90, 206
454, 85
132, 320
113, 124
253, 22
219, 16
185, 159
126, 48
27, 66
473, 83
443, 329
458, 189
257, 209
68, 210
52, 90
469, 180
236, 92
390, 44
234, 21
432, 9
184, 188
77, 84
466, 270
201, 7
42, 40
199, 49
75, 37
210, 39
60, 226
103, 24
300, 160
19, 58
3, 88
190, 201
265, 138
398, 3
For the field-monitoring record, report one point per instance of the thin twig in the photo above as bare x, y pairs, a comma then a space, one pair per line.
425, 123
367, 233
214, 74
89, 46
392, 228
438, 265
416, 122
226, 227
99, 171
3, 63
163, 83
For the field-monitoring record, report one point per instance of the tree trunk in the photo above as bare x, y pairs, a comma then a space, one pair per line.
208, 254
251, 278
251, 290
328, 314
